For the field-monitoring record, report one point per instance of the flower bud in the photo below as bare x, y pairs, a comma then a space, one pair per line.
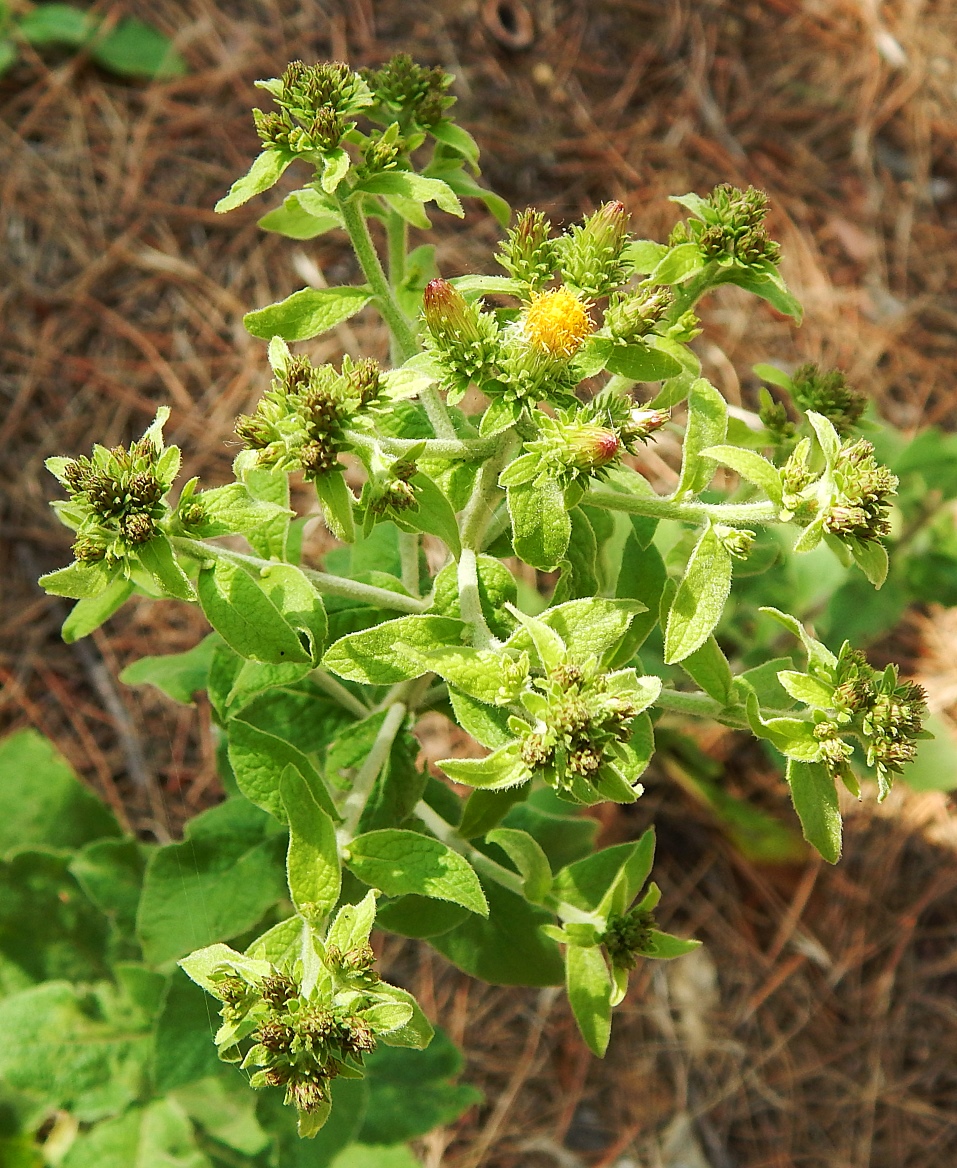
528, 254
631, 317
642, 423
592, 446
737, 542
447, 313
591, 254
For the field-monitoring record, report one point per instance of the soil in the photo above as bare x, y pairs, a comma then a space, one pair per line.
817, 1026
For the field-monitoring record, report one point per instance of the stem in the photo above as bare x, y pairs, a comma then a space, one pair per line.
659, 508
371, 265
447, 834
409, 558
468, 449
499, 524
470, 601
485, 496
323, 581
335, 689
701, 706
355, 801
397, 233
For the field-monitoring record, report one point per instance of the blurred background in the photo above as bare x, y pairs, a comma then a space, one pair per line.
818, 1025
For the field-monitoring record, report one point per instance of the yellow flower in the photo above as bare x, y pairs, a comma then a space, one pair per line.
557, 322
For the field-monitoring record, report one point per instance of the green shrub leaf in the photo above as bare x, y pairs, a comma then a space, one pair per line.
312, 862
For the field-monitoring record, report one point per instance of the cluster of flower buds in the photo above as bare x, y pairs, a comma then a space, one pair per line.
629, 936
117, 496
736, 541
578, 744
402, 89
884, 712
633, 315
314, 102
829, 394
731, 227
591, 255
387, 491
528, 253
381, 152
300, 421
859, 508
774, 417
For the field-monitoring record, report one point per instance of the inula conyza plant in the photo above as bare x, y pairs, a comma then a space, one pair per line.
501, 432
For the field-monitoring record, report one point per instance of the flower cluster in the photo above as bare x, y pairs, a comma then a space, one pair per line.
629, 936
859, 507
117, 497
528, 253
300, 421
406, 91
829, 394
463, 338
591, 254
731, 227
314, 102
884, 712
583, 722
631, 316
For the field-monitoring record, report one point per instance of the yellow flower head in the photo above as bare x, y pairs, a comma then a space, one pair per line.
557, 322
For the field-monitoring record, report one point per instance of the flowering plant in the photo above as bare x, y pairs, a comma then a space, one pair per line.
502, 431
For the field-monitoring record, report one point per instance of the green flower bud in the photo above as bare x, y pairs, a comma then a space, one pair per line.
591, 446
591, 254
463, 337
634, 315
528, 253
828, 394
137, 529
403, 86
774, 417
628, 936
736, 541
860, 507
89, 549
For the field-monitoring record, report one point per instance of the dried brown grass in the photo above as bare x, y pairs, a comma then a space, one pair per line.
828, 1038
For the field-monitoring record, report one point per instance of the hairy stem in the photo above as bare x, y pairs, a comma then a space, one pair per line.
659, 508
485, 495
481, 863
323, 581
397, 233
409, 558
358, 796
335, 689
470, 601
371, 265
701, 706
467, 449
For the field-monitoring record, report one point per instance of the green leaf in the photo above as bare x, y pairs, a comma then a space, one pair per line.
110, 872
590, 626
336, 501
541, 527
641, 577
432, 514
773, 376
770, 287
818, 655
266, 170
527, 856
214, 885
709, 668
56, 24
306, 313
419, 917
474, 286
183, 1051
408, 185
707, 426
488, 725
871, 558
298, 602
501, 769
353, 924
43, 801
589, 987
158, 560
225, 1108
296, 221
565, 836
496, 586
476, 672
136, 49
259, 758
233, 510
752, 466
678, 264
461, 141
584, 884
158, 1135
79, 1049
373, 656
579, 570
509, 948
80, 581
244, 616
828, 438
644, 255
178, 675
271, 539
399, 862
88, 614
641, 362
363, 1156
335, 168
312, 864
486, 809
394, 1113
667, 947
809, 690
467, 188
700, 599
815, 800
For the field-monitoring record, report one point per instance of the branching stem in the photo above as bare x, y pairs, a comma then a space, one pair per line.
658, 508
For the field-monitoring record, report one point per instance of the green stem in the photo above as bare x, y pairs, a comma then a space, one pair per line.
358, 796
409, 559
335, 689
470, 602
397, 233
485, 495
701, 706
658, 508
467, 449
447, 834
371, 265
325, 583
